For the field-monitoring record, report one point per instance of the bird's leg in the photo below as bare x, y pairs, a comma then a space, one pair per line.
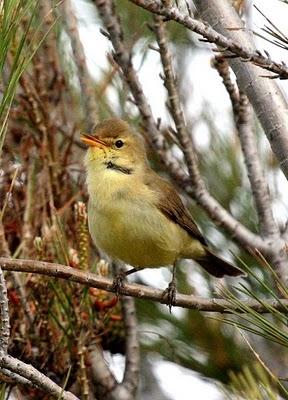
171, 290
118, 281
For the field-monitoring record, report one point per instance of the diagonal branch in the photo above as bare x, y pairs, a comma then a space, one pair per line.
175, 107
212, 36
86, 83
28, 372
134, 290
248, 143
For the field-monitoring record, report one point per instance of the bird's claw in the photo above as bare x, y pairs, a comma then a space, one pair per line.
170, 294
118, 282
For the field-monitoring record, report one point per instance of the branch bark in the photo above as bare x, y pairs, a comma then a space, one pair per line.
132, 363
242, 118
134, 290
28, 372
86, 83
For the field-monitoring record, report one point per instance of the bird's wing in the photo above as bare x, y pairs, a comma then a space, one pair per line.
170, 204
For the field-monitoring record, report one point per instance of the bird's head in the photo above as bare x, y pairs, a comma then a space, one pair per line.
113, 145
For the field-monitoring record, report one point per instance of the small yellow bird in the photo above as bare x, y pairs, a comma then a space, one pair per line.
135, 215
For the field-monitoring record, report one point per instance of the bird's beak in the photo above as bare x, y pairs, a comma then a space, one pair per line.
92, 141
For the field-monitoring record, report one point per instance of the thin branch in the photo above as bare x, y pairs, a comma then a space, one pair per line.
87, 90
101, 375
212, 36
248, 143
134, 290
30, 373
216, 212
132, 353
175, 107
259, 185
4, 312
17, 378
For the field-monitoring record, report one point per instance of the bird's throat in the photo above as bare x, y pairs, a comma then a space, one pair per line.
116, 167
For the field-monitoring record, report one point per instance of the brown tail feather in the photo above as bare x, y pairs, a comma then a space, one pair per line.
217, 266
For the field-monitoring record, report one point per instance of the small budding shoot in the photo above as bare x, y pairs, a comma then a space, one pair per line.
82, 234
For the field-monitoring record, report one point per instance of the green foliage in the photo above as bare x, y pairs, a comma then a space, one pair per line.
17, 22
253, 382
271, 326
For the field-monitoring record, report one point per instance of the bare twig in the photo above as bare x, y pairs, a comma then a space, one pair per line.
4, 248
134, 290
30, 373
212, 36
132, 364
4, 312
255, 171
30, 195
175, 103
86, 83
102, 377
16, 378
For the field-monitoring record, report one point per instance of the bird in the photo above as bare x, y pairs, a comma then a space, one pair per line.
136, 216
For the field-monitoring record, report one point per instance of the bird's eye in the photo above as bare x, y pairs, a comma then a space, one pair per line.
119, 143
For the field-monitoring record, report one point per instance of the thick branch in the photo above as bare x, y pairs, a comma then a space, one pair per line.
134, 290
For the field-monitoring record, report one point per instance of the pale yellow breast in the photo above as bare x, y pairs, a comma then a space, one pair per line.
125, 223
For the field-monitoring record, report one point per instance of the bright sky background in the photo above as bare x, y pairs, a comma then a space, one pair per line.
183, 383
